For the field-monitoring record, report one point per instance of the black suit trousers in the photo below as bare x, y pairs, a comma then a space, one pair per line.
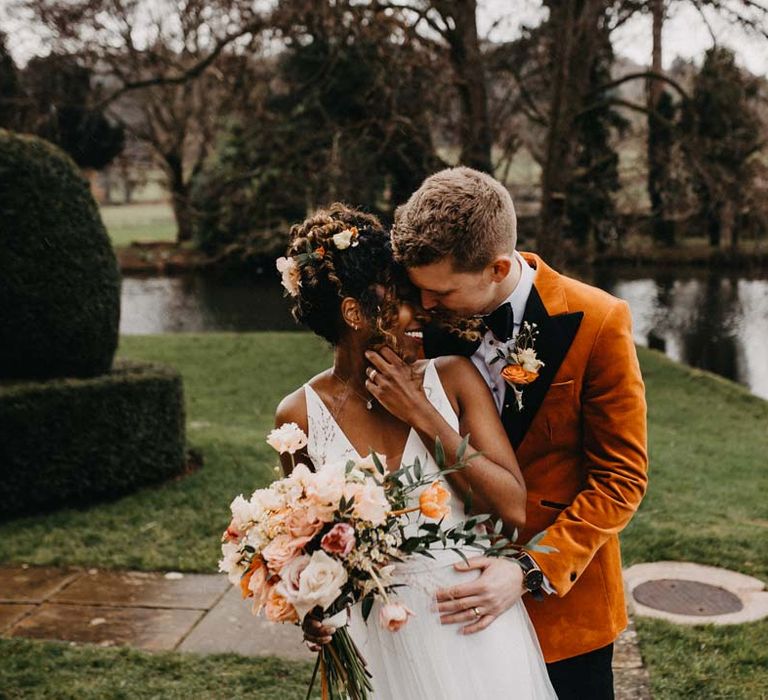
585, 677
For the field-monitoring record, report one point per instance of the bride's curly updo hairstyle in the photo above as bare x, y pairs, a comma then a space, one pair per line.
341, 252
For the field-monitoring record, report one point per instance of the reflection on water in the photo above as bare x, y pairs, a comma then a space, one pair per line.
713, 321
202, 303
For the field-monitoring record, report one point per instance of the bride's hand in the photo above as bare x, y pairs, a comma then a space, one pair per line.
396, 385
316, 635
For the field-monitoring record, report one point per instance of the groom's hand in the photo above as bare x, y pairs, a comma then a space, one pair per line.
396, 385
498, 588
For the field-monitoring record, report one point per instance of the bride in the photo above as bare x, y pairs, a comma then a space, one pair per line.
348, 290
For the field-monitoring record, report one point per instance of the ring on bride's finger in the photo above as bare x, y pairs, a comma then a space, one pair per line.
477, 612
372, 375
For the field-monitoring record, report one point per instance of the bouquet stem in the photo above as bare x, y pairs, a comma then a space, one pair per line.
343, 673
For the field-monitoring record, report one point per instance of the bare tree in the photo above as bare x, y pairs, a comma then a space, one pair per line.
452, 24
169, 71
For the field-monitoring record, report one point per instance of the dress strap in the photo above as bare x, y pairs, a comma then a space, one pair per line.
435, 392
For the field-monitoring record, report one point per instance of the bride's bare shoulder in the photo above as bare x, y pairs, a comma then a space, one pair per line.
293, 407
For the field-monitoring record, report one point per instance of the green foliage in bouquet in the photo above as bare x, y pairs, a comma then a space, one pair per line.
73, 441
59, 281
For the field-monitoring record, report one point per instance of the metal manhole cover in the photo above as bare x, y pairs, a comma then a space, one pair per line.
686, 597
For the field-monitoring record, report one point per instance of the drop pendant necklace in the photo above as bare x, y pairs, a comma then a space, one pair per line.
368, 401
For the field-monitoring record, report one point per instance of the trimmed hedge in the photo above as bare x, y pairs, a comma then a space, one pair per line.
73, 441
59, 280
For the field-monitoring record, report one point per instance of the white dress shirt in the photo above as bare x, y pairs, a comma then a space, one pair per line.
487, 349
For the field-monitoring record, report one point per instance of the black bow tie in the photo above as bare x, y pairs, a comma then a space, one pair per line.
501, 322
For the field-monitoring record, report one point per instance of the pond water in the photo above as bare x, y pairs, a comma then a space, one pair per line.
711, 320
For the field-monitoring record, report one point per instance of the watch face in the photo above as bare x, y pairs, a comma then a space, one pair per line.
533, 580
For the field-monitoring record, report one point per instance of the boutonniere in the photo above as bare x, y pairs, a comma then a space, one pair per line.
521, 363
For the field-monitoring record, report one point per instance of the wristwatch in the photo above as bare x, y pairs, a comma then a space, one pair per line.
533, 579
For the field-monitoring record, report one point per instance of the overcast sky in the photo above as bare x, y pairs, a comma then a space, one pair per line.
685, 33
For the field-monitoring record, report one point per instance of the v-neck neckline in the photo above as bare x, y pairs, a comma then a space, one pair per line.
411, 433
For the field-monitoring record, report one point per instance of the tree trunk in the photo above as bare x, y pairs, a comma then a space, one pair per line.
573, 28
658, 152
727, 225
179, 189
467, 61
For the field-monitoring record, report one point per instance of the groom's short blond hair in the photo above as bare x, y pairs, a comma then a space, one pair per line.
459, 212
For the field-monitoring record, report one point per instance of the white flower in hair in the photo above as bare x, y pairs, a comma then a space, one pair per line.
291, 274
345, 238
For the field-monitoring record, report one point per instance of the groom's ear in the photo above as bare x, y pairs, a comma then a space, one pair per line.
500, 267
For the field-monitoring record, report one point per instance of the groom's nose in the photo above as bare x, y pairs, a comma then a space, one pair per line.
428, 300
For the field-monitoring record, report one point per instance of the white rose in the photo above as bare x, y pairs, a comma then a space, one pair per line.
289, 437
231, 562
266, 499
291, 275
326, 486
241, 511
300, 475
320, 583
528, 360
371, 503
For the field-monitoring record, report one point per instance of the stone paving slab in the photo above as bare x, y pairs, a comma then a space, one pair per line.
196, 613
630, 677
151, 629
22, 584
10, 613
231, 628
147, 590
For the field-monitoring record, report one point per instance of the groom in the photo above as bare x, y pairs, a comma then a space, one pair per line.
580, 436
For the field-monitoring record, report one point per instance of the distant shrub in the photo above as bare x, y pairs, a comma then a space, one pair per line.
59, 281
74, 441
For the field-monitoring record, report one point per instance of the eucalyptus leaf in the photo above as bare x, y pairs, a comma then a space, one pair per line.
439, 452
366, 606
377, 463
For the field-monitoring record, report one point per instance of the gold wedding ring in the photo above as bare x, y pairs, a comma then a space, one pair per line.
476, 611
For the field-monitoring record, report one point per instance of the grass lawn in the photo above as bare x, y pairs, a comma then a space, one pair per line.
147, 221
706, 502
48, 671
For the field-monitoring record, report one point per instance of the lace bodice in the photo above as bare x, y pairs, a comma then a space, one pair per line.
327, 443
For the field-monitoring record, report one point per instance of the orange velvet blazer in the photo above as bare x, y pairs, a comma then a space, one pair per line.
582, 447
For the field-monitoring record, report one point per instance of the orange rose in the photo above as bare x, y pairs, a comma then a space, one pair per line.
515, 374
433, 501
257, 565
278, 609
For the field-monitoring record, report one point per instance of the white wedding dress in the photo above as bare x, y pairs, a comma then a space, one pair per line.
426, 660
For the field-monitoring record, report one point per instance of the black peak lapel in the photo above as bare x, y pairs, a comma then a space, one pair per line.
556, 334
439, 342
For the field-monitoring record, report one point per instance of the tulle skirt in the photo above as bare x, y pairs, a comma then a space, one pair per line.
426, 660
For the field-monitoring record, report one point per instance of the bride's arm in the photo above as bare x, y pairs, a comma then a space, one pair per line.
293, 409
494, 476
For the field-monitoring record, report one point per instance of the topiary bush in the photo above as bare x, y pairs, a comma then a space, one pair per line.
71, 441
59, 281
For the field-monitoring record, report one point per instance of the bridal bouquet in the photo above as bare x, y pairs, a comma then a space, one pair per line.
327, 539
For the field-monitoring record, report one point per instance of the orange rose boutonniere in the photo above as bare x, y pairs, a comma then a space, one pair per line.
521, 366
